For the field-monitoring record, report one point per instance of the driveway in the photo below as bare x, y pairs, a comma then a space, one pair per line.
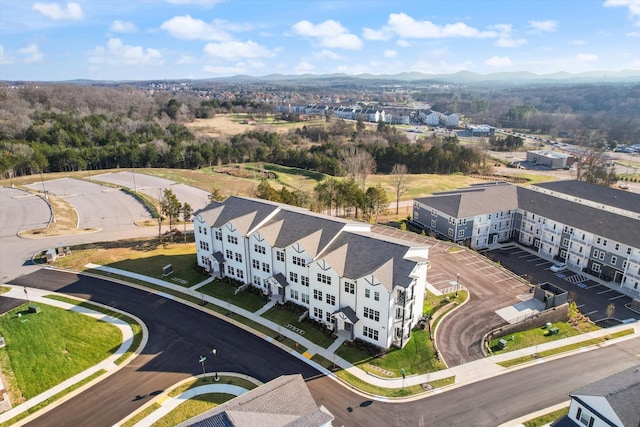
21, 210
459, 335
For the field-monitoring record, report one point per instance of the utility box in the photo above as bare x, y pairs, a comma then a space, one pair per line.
167, 270
554, 331
502, 344
34, 309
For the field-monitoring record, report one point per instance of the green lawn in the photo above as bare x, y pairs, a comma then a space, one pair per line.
183, 266
224, 291
192, 407
535, 336
546, 419
51, 346
283, 317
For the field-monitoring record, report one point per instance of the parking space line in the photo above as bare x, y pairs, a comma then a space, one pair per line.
502, 280
619, 296
591, 312
604, 292
528, 255
484, 268
542, 263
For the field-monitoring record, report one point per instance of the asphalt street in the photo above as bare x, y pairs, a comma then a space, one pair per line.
178, 336
97, 206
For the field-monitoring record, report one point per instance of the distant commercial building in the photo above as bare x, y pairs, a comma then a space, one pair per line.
551, 159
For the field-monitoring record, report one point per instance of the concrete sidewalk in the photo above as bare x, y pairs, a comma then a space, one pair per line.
37, 296
464, 374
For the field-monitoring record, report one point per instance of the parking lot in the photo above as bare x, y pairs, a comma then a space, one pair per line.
592, 297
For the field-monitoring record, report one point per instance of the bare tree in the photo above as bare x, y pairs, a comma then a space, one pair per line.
400, 181
595, 167
359, 164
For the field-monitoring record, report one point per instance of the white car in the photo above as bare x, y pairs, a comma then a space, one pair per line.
556, 268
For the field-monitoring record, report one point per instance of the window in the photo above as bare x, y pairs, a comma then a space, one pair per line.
293, 277
433, 223
259, 249
598, 240
218, 235
601, 257
317, 295
304, 280
229, 254
584, 418
199, 229
370, 333
596, 253
450, 232
257, 281
317, 313
299, 261
204, 245
461, 233
323, 278
266, 267
328, 316
398, 313
565, 242
238, 257
256, 264
231, 271
617, 246
331, 299
604, 242
372, 314
614, 260
232, 240
367, 293
376, 296
349, 287
280, 256
596, 268
628, 251
240, 274
305, 298
205, 231
624, 264
294, 294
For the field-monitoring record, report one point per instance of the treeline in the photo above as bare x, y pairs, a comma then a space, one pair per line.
151, 133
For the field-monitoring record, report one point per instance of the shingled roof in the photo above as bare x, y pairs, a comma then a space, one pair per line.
245, 213
475, 200
621, 392
596, 193
282, 402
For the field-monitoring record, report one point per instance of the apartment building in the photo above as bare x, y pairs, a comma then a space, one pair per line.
357, 283
592, 228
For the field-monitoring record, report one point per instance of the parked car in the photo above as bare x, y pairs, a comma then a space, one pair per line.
556, 268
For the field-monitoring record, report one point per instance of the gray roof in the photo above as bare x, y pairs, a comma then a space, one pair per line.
621, 391
349, 314
245, 213
355, 255
313, 231
475, 200
284, 401
597, 193
602, 223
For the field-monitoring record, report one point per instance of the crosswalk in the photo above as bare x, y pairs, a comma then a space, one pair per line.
576, 278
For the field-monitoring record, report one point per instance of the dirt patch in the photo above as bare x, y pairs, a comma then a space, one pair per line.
232, 124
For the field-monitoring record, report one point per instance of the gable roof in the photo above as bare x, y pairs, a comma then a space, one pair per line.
284, 401
245, 213
355, 255
621, 391
475, 200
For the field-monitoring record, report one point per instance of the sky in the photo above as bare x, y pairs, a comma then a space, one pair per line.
195, 39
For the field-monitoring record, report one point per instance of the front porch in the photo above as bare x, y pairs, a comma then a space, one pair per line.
344, 321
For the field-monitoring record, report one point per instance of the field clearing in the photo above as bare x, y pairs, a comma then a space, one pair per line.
232, 124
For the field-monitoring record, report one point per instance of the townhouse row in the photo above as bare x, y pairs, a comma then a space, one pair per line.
592, 228
357, 283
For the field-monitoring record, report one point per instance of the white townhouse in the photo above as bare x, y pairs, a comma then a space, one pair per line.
359, 284
592, 228
430, 118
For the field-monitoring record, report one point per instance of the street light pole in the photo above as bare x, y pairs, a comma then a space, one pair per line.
457, 285
215, 364
201, 360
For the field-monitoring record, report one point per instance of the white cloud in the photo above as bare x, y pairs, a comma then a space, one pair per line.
633, 5
119, 26
186, 59
390, 53
5, 59
371, 34
117, 53
578, 42
543, 26
188, 28
633, 34
403, 43
73, 11
404, 26
234, 50
239, 68
587, 57
499, 61
328, 54
31, 54
507, 42
304, 67
330, 34
205, 3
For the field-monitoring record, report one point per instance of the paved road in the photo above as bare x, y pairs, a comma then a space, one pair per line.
98, 206
21, 210
178, 336
153, 187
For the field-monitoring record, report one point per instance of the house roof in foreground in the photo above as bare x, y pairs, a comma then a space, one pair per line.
282, 402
